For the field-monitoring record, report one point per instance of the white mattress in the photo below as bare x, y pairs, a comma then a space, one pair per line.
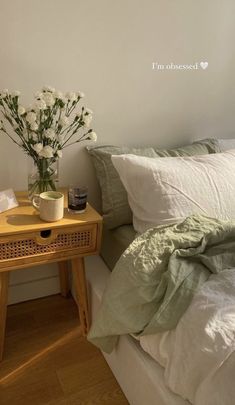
140, 377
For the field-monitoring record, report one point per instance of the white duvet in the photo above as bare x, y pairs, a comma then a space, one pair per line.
198, 356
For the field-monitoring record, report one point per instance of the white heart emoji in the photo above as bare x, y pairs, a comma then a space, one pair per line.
204, 65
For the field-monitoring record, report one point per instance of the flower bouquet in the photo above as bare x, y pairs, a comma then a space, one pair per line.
43, 130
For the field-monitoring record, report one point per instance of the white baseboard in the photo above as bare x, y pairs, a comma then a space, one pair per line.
40, 281
33, 289
32, 283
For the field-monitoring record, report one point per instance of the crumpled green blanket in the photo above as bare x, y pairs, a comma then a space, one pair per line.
155, 279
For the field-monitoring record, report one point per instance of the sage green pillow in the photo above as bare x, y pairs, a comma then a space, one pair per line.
116, 210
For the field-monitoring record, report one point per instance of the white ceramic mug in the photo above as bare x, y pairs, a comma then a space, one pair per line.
50, 205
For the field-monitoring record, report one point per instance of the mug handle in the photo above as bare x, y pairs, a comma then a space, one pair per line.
35, 201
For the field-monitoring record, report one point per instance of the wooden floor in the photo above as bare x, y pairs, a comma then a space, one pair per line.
46, 361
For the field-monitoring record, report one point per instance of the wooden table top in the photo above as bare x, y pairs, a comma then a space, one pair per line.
25, 218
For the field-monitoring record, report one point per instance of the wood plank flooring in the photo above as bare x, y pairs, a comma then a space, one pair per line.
47, 361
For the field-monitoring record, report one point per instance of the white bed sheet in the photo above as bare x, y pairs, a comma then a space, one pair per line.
199, 354
140, 377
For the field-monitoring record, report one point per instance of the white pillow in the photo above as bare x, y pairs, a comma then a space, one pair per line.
226, 144
164, 191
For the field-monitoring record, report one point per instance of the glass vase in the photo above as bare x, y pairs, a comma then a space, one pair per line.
43, 175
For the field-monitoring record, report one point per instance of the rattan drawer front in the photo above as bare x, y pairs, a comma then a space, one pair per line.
81, 239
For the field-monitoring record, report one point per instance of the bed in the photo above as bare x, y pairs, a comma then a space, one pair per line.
131, 365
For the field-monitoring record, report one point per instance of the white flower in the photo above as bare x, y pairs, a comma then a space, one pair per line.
49, 99
34, 137
52, 109
93, 136
58, 94
64, 99
80, 94
49, 133
33, 126
48, 88
15, 93
71, 96
47, 152
63, 121
21, 110
31, 117
87, 120
38, 147
38, 94
40, 105
61, 138
5, 92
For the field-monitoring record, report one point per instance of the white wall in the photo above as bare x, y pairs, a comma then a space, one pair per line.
106, 49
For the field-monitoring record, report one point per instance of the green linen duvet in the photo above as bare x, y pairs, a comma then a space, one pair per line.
155, 279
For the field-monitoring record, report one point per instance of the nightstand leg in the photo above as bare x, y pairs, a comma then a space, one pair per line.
3, 308
80, 286
64, 278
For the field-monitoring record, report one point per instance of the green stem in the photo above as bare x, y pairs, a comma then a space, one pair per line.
13, 140
45, 177
78, 140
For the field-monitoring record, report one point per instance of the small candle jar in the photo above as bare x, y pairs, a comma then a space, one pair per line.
77, 199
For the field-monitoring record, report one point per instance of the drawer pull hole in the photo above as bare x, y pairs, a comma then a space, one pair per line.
45, 234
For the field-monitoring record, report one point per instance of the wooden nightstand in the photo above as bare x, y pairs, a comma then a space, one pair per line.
26, 241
